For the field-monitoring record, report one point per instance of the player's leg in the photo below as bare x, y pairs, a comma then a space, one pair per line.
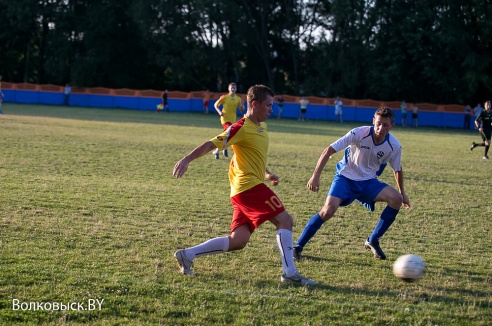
283, 222
315, 222
241, 230
214, 246
487, 146
394, 200
226, 125
340, 188
260, 204
482, 144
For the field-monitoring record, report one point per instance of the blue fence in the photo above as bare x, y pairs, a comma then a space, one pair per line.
290, 110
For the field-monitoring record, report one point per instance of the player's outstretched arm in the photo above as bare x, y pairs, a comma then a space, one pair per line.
182, 165
314, 183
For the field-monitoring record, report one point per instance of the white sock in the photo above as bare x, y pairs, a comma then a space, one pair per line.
284, 245
211, 247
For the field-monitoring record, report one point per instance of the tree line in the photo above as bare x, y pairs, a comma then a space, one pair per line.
436, 51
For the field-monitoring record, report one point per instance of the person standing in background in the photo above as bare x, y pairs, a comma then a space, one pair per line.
280, 101
165, 104
206, 101
338, 109
230, 103
67, 92
1, 95
303, 102
415, 115
403, 107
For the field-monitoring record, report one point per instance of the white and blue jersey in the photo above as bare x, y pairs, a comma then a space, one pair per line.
363, 159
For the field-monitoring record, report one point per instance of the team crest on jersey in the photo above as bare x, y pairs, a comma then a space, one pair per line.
380, 154
220, 138
260, 130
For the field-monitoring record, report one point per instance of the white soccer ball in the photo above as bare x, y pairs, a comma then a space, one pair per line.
409, 268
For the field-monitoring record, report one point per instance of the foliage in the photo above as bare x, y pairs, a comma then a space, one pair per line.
89, 210
420, 51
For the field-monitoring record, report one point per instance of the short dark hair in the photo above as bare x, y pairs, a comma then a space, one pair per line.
385, 112
258, 93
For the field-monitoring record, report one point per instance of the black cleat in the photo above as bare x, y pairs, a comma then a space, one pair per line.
473, 146
297, 253
375, 249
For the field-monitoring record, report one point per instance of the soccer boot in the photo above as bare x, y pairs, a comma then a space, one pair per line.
296, 251
473, 146
185, 264
216, 154
296, 278
375, 249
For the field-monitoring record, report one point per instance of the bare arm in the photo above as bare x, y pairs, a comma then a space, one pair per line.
241, 105
182, 165
271, 177
401, 188
217, 108
313, 183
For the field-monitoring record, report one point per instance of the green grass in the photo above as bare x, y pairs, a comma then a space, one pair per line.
89, 210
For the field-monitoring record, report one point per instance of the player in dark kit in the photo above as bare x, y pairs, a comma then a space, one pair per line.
484, 124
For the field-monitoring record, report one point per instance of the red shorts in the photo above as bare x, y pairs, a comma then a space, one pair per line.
226, 125
255, 206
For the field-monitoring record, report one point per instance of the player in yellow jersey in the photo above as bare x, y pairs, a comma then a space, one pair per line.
253, 202
230, 103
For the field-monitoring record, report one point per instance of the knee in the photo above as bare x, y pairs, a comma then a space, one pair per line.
327, 212
286, 222
237, 243
241, 245
396, 200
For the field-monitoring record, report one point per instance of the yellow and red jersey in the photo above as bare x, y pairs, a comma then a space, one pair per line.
250, 144
229, 106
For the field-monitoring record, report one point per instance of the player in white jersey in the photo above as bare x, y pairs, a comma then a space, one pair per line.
367, 152
363, 159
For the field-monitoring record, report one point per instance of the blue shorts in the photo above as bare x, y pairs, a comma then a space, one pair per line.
362, 191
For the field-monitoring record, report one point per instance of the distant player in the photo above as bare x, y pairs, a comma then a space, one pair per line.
483, 123
367, 149
338, 109
1, 95
230, 103
165, 104
303, 103
206, 101
253, 202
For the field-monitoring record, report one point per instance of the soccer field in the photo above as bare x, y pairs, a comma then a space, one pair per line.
90, 217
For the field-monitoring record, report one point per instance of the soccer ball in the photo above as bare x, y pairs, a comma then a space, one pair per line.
409, 268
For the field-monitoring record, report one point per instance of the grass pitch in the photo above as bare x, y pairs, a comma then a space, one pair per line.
89, 211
